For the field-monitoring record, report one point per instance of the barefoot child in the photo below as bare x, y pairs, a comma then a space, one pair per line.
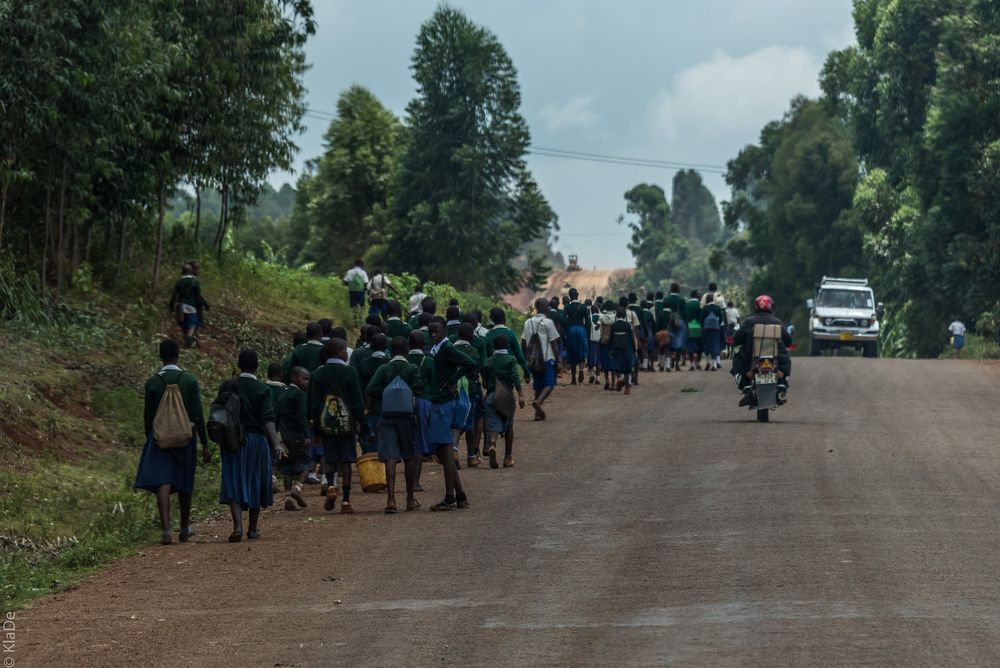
293, 427
396, 427
501, 370
171, 471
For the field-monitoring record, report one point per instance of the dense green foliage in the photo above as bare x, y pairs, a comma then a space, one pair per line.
792, 197
681, 242
917, 103
108, 106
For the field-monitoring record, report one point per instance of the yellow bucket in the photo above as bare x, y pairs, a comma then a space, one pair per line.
372, 473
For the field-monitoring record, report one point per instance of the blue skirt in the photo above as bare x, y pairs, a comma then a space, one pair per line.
608, 362
246, 473
678, 337
594, 354
576, 344
711, 344
173, 467
623, 360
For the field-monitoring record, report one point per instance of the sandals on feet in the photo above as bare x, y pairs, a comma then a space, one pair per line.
235, 536
412, 504
493, 457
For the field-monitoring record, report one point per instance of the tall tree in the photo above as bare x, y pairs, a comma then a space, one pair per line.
656, 243
693, 208
350, 187
460, 212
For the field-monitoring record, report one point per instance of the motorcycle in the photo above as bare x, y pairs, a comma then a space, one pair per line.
767, 387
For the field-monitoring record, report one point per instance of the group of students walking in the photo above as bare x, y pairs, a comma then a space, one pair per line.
411, 389
618, 339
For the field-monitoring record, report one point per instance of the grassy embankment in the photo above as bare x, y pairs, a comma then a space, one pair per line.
71, 398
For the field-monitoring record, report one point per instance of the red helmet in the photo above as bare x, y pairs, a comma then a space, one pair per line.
763, 303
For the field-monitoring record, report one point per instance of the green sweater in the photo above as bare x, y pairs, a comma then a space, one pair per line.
291, 409
360, 354
323, 381
513, 344
277, 389
477, 351
675, 304
307, 355
369, 366
256, 406
395, 327
450, 364
187, 290
190, 394
426, 365
577, 314
501, 366
386, 373
692, 310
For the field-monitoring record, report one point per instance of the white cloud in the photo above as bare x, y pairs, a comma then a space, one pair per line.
733, 97
842, 38
576, 113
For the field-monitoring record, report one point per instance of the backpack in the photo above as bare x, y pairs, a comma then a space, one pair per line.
397, 399
171, 424
675, 321
378, 287
712, 321
694, 330
621, 340
224, 425
535, 356
357, 283
335, 419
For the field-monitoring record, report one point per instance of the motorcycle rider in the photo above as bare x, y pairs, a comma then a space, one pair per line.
763, 315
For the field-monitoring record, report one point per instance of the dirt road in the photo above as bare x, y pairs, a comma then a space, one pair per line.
859, 527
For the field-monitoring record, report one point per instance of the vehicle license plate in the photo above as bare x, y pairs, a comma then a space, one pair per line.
847, 336
767, 379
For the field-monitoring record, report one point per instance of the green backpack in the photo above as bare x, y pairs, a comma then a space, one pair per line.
357, 283
694, 330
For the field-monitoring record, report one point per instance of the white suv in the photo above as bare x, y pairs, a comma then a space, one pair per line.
844, 313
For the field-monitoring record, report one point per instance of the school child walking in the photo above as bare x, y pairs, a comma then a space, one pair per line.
275, 373
692, 314
608, 363
475, 348
367, 369
957, 331
172, 418
448, 414
378, 294
356, 280
623, 347
502, 378
394, 404
541, 342
678, 327
186, 302
246, 471
394, 325
337, 412
577, 336
499, 319
309, 354
293, 428
594, 347
711, 333
424, 447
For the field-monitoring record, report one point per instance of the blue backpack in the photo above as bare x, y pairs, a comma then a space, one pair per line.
397, 399
712, 321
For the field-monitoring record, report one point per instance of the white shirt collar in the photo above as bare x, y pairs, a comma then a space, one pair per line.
499, 326
392, 317
378, 354
170, 367
337, 361
188, 276
454, 322
314, 342
248, 375
399, 358
416, 351
274, 383
435, 349
500, 351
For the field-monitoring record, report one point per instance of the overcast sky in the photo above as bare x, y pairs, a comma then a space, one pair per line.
670, 80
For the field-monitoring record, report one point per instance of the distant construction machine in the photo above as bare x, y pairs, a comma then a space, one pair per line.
573, 264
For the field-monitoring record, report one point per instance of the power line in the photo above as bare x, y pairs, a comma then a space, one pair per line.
582, 156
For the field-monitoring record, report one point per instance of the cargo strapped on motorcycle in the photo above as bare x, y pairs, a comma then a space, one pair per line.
765, 340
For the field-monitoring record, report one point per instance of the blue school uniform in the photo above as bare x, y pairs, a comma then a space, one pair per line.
173, 467
246, 473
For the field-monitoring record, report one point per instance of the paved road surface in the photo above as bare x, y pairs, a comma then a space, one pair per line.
859, 527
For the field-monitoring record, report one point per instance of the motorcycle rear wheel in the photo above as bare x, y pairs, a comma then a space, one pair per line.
763, 415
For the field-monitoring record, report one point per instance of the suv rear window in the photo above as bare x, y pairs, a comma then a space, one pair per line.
833, 298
